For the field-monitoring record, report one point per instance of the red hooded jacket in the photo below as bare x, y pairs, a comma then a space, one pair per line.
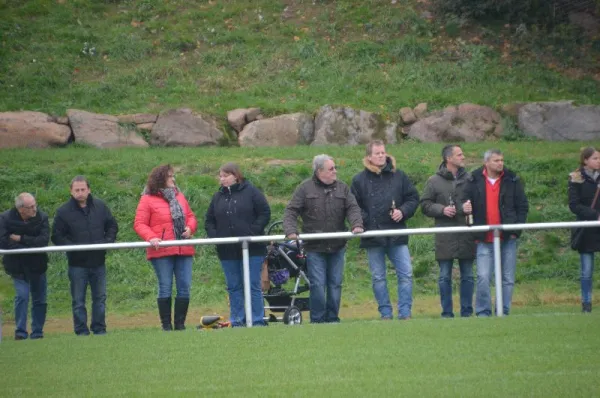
153, 220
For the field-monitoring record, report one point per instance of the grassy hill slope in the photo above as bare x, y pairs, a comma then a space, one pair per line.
125, 56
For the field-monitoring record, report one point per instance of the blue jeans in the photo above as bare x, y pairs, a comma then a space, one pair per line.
36, 285
234, 277
467, 285
587, 271
166, 267
485, 268
400, 258
80, 277
325, 273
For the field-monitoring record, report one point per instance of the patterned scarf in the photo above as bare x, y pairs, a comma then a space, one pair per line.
176, 212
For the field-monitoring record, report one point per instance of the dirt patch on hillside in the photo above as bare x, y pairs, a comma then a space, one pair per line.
282, 162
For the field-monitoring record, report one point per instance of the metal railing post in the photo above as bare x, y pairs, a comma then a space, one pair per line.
498, 271
247, 296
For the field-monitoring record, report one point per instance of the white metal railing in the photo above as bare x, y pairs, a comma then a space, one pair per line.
245, 240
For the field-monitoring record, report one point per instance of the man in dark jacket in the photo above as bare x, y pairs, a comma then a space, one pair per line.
495, 195
387, 199
323, 203
20, 228
85, 220
440, 200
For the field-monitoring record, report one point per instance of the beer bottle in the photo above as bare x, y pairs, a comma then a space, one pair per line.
469, 219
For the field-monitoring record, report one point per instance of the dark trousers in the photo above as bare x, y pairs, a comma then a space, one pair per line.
80, 278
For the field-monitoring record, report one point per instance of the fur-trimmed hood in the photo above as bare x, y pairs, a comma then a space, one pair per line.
576, 177
391, 164
580, 175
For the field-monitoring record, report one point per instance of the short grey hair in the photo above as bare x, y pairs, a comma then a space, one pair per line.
80, 179
319, 162
20, 199
447, 151
488, 154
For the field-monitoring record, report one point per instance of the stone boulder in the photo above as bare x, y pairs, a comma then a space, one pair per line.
283, 130
420, 110
31, 130
560, 121
183, 127
467, 122
407, 115
102, 131
137, 118
238, 118
346, 126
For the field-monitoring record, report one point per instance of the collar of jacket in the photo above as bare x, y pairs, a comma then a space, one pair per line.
447, 174
477, 174
89, 201
14, 214
146, 192
235, 187
321, 183
579, 176
390, 165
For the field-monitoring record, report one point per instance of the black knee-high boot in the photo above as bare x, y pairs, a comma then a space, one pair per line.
164, 311
181, 309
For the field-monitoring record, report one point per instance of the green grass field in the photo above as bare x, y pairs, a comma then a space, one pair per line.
552, 354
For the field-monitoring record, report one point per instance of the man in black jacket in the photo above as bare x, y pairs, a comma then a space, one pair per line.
20, 228
85, 220
387, 199
495, 195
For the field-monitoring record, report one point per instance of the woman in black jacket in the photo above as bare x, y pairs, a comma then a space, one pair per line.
239, 209
584, 186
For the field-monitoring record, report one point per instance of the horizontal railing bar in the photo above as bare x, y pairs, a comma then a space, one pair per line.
313, 236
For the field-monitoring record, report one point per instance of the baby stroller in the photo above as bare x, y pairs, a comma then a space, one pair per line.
286, 261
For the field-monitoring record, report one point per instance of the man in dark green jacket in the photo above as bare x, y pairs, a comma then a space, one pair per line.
323, 203
440, 200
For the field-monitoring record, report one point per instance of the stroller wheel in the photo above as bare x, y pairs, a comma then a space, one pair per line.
292, 316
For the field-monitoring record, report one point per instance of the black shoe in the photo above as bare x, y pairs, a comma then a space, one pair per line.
181, 309
19, 337
164, 312
586, 307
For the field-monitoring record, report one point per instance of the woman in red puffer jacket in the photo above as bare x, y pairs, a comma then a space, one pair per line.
164, 214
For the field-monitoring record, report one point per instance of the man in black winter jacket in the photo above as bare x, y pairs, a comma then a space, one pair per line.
85, 220
20, 228
387, 199
495, 195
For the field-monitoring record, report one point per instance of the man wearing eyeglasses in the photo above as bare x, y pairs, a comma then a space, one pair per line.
25, 227
323, 203
387, 199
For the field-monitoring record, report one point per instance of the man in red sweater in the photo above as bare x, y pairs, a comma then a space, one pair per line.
495, 195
